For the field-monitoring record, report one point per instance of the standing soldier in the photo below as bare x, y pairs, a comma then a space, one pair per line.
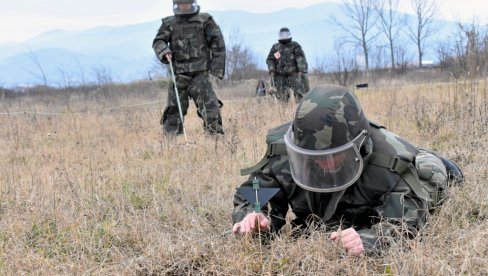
196, 47
287, 64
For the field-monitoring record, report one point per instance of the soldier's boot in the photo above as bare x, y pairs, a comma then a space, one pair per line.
213, 124
212, 121
171, 124
216, 129
454, 173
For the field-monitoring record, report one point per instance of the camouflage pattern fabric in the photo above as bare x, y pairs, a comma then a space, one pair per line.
328, 117
198, 48
283, 83
432, 173
195, 41
306, 82
198, 87
382, 205
286, 60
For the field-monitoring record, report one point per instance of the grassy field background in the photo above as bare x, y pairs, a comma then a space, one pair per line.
93, 190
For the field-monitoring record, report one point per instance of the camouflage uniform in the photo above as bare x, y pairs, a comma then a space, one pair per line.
397, 187
198, 47
286, 69
306, 83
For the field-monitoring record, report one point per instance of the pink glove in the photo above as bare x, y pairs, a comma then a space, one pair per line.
350, 240
250, 224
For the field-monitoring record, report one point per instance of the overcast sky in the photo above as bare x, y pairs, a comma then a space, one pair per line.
23, 19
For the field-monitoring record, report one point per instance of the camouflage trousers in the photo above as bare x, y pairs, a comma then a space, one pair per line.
197, 86
284, 82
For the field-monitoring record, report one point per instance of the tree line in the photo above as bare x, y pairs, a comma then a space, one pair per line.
376, 36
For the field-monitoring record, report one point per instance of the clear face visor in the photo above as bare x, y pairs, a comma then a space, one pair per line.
284, 35
325, 171
185, 8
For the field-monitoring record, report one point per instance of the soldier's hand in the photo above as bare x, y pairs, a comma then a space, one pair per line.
271, 72
250, 224
350, 240
271, 90
300, 74
165, 55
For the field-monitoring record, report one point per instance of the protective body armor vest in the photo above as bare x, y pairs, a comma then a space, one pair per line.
188, 43
287, 63
390, 152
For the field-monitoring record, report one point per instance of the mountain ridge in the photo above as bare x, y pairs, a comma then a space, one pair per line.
131, 54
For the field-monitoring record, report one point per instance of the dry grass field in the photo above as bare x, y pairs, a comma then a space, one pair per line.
99, 191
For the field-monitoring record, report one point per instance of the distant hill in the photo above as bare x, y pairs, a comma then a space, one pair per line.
127, 54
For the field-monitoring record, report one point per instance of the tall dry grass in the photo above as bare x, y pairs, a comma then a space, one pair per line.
104, 193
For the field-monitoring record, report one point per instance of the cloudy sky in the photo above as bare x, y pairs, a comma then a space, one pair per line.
23, 19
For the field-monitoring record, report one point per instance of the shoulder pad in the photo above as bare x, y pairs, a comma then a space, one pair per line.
202, 17
277, 133
169, 19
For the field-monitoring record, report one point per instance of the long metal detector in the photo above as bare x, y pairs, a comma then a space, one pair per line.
177, 98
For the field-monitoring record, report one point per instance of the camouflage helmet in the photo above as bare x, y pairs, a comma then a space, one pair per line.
328, 117
325, 140
194, 8
284, 34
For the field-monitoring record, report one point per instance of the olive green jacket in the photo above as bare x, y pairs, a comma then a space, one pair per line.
389, 198
291, 59
196, 43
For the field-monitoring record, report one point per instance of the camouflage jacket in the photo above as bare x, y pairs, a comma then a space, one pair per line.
291, 59
196, 43
387, 198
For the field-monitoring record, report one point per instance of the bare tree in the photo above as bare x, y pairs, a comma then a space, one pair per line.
103, 75
402, 56
321, 65
342, 65
240, 62
41, 75
423, 26
474, 47
466, 50
378, 57
359, 28
104, 81
82, 79
390, 24
66, 79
